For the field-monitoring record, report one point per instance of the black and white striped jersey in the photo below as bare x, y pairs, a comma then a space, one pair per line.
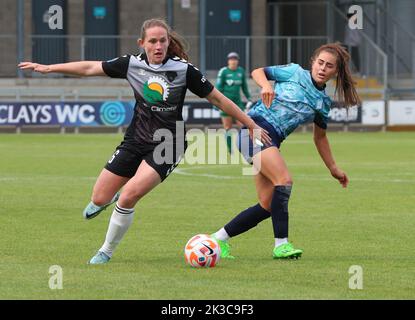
159, 93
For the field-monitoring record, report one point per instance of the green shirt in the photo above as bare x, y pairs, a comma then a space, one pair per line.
230, 82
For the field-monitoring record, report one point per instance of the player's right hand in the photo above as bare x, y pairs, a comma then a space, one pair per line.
267, 95
34, 66
340, 176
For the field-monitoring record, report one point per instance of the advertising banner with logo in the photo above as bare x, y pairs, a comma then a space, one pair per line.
339, 114
66, 114
117, 113
205, 113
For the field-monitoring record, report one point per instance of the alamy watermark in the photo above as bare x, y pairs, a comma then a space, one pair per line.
356, 17
171, 147
56, 278
54, 17
356, 280
207, 147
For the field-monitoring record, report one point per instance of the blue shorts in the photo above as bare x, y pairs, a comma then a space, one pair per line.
248, 148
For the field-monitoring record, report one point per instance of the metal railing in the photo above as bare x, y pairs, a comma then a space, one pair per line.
373, 77
373, 60
255, 51
390, 35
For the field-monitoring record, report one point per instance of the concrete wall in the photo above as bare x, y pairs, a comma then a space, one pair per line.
75, 24
186, 23
258, 28
131, 17
8, 44
132, 13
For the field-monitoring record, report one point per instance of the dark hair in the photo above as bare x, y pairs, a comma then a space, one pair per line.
345, 86
177, 45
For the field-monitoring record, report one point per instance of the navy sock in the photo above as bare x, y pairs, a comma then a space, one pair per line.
246, 220
279, 210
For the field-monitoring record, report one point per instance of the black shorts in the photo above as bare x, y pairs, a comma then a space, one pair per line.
126, 160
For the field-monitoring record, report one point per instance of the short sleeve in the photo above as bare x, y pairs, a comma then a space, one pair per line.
321, 117
281, 72
117, 68
197, 83
321, 120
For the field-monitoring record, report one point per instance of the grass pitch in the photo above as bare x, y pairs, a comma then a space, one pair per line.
46, 181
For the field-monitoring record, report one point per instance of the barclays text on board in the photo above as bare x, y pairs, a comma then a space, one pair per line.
106, 113
117, 113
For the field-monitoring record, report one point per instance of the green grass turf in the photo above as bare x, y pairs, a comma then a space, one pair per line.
46, 181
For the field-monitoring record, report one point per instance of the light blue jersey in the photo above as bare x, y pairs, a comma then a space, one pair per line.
297, 100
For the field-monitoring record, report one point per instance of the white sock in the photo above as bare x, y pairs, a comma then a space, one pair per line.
280, 241
120, 221
222, 235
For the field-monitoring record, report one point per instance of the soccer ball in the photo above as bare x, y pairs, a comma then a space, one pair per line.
202, 251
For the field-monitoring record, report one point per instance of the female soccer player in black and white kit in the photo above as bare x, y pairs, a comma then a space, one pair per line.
159, 77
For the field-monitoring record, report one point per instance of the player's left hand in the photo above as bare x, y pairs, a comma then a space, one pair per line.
259, 134
340, 176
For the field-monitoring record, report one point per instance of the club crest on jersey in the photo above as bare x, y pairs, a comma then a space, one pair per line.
171, 75
156, 90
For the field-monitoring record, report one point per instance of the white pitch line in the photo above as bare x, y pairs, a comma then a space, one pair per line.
184, 171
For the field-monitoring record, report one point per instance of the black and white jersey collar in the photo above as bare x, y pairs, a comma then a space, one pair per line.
143, 56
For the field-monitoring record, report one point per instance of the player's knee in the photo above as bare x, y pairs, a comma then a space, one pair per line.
265, 202
266, 205
99, 200
129, 198
284, 180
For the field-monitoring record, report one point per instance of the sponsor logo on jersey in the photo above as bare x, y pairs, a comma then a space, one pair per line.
159, 109
156, 90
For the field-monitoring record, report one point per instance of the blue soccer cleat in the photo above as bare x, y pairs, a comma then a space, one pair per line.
92, 210
99, 258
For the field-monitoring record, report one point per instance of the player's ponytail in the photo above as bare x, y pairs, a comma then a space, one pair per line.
177, 46
345, 86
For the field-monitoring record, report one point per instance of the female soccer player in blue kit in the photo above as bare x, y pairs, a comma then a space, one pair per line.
298, 97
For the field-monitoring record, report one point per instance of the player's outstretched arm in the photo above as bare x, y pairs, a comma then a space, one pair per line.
79, 68
323, 147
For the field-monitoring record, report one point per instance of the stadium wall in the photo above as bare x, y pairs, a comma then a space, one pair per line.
131, 15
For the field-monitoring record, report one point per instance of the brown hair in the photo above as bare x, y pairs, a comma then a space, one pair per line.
177, 45
345, 86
